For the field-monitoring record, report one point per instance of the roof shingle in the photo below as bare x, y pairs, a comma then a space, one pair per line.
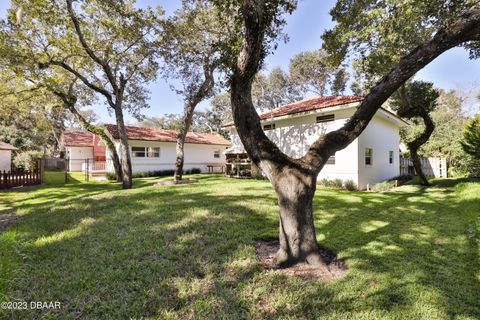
306, 105
162, 135
77, 139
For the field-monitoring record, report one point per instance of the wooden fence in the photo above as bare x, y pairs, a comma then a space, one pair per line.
432, 167
19, 179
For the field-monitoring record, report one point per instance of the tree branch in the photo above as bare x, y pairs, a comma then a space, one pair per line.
67, 67
465, 28
106, 68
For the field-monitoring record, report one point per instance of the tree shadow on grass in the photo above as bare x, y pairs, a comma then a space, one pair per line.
187, 251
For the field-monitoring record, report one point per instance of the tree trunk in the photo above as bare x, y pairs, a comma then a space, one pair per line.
110, 145
182, 135
414, 146
298, 240
417, 164
126, 161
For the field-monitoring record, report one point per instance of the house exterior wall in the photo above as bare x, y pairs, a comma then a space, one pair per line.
196, 156
5, 160
381, 136
294, 136
77, 156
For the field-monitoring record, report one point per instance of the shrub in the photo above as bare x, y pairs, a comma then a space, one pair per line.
111, 176
337, 183
350, 185
156, 173
26, 160
383, 186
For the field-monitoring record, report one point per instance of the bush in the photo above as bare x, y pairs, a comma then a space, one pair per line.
156, 173
111, 176
350, 185
26, 160
383, 186
338, 184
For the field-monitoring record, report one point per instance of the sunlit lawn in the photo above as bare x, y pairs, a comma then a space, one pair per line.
187, 252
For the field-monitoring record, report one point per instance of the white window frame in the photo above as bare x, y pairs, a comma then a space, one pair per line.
270, 126
147, 151
216, 154
368, 156
391, 157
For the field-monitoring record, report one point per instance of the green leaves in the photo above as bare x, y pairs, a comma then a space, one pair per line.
471, 137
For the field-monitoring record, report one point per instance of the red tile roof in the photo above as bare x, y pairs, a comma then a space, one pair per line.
306, 105
77, 139
6, 146
162, 135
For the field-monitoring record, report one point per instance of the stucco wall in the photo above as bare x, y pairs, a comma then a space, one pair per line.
77, 156
5, 160
196, 156
294, 136
381, 136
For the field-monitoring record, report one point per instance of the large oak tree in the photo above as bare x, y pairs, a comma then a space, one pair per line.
108, 45
294, 180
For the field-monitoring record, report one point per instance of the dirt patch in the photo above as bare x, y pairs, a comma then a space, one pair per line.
6, 221
333, 269
174, 183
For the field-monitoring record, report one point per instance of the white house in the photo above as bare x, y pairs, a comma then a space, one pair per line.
371, 158
153, 149
6, 156
80, 147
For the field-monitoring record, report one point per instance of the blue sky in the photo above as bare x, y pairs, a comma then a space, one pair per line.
452, 70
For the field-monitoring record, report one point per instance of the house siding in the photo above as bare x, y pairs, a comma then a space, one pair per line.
381, 136
294, 135
196, 156
77, 157
5, 160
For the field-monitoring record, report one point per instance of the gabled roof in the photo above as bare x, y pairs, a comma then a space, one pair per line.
77, 139
162, 135
305, 105
6, 146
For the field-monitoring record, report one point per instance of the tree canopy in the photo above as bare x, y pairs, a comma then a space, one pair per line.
471, 137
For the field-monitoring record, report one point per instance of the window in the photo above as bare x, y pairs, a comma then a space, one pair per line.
153, 152
368, 156
390, 157
326, 118
269, 126
216, 154
145, 152
331, 160
138, 152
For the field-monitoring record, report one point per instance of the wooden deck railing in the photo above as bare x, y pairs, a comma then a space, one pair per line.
10, 179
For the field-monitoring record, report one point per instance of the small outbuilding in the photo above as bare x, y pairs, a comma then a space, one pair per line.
6, 156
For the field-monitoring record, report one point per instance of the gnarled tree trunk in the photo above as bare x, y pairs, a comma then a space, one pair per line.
294, 179
298, 240
414, 146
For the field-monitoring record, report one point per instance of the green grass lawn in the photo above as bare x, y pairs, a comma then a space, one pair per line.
187, 252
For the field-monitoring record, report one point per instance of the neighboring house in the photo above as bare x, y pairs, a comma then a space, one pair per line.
80, 147
6, 156
371, 158
153, 149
